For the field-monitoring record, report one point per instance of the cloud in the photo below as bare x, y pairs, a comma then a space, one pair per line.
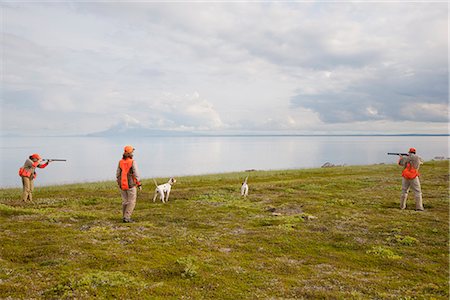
384, 93
130, 122
257, 66
299, 119
427, 112
189, 111
407, 81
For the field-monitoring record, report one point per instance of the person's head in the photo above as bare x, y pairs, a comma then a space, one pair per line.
35, 157
128, 152
412, 150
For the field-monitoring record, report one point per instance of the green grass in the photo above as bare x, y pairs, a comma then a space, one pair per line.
334, 233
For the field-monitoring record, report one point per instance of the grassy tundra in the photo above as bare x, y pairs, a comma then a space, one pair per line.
317, 233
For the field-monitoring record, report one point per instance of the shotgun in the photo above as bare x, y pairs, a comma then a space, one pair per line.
402, 154
54, 159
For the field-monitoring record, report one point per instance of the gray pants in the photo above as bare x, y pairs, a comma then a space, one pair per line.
414, 185
128, 202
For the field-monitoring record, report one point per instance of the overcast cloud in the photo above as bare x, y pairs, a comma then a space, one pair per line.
76, 68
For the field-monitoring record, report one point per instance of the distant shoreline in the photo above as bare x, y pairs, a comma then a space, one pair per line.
228, 135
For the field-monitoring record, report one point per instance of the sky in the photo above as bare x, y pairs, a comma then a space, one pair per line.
237, 67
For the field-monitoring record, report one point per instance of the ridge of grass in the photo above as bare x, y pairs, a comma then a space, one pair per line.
328, 233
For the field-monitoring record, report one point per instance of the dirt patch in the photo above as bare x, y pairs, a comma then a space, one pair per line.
290, 210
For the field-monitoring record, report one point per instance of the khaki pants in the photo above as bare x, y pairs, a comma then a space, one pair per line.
128, 202
414, 185
28, 187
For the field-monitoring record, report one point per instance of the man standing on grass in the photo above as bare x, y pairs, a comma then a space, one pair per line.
410, 180
128, 179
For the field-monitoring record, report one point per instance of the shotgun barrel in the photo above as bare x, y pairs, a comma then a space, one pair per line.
394, 153
55, 159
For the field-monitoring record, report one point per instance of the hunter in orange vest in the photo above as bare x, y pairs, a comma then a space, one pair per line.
28, 174
128, 179
410, 180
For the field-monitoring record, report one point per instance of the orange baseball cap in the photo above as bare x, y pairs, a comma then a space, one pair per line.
35, 155
128, 149
412, 150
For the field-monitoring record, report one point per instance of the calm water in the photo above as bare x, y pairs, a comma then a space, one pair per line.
95, 159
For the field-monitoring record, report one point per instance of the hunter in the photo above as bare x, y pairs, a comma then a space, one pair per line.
127, 175
410, 180
28, 174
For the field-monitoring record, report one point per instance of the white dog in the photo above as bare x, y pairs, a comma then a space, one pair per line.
244, 188
163, 190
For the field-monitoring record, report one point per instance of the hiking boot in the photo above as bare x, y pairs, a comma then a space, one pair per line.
125, 220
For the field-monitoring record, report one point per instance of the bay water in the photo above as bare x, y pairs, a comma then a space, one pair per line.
96, 158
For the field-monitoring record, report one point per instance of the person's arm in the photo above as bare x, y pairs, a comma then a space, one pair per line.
43, 165
417, 161
402, 160
136, 173
118, 173
421, 160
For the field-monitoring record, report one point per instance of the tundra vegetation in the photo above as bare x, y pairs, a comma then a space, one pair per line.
334, 233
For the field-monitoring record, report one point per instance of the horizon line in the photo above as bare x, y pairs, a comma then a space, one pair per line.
193, 134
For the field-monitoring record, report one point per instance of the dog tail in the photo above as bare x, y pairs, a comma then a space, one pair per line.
155, 182
245, 181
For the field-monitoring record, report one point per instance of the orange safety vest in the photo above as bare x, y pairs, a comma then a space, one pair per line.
410, 172
125, 166
26, 172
